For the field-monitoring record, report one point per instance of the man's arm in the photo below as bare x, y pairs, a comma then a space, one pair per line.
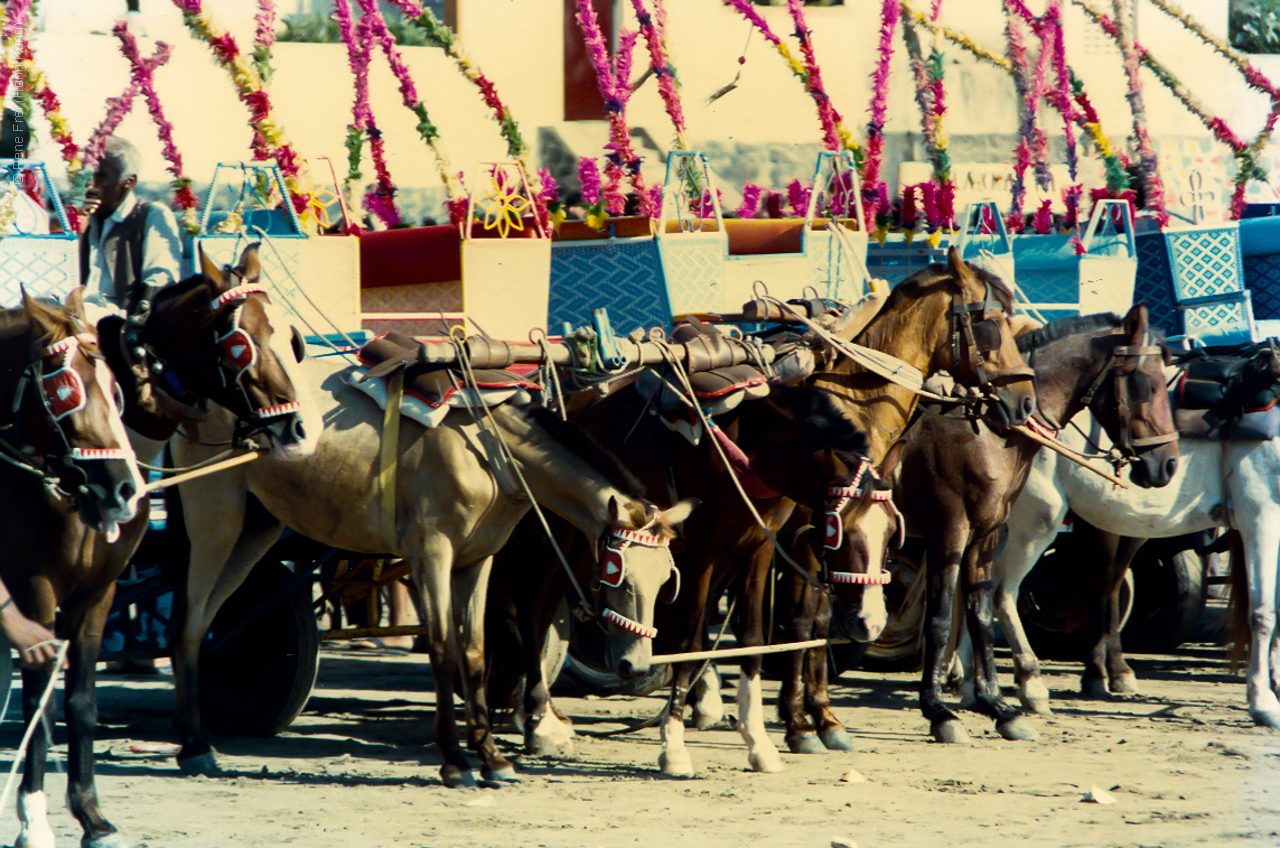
161, 249
36, 645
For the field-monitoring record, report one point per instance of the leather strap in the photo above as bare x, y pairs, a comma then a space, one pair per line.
390, 453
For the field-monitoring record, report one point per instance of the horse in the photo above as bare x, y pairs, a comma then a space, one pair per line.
1229, 484
205, 338
69, 487
952, 318
789, 446
958, 479
449, 506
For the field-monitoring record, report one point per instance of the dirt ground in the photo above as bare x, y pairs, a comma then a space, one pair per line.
1181, 764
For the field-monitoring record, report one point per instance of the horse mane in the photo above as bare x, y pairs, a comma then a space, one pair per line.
819, 410
917, 284
1062, 327
54, 317
178, 289
582, 445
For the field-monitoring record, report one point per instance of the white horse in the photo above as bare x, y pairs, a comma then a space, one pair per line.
1232, 484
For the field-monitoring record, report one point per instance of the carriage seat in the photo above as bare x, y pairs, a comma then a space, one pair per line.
429, 391
1229, 392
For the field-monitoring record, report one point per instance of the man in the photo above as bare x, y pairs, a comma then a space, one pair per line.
36, 645
130, 250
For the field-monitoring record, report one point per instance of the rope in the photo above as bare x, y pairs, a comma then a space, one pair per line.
31, 725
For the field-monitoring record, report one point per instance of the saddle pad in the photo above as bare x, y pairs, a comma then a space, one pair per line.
430, 412
1206, 424
1232, 381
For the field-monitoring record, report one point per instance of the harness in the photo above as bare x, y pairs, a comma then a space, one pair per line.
62, 393
613, 572
1132, 389
977, 338
838, 497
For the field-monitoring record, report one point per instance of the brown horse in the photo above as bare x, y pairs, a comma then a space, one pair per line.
74, 558
958, 479
453, 508
952, 318
792, 446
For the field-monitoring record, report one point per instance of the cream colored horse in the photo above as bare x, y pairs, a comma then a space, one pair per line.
451, 516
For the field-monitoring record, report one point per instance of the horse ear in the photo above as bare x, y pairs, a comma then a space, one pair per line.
632, 514
1137, 323
212, 273
74, 307
892, 459
250, 269
676, 515
960, 270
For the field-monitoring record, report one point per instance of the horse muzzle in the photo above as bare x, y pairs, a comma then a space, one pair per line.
1154, 469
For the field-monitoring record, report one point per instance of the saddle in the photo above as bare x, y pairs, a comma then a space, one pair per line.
717, 390
431, 391
1229, 392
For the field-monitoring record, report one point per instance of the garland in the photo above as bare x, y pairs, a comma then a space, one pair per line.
930, 97
269, 141
612, 78
1249, 167
1059, 96
38, 86
747, 9
441, 36
589, 179
378, 32
264, 37
878, 209
655, 39
15, 20
140, 73
380, 199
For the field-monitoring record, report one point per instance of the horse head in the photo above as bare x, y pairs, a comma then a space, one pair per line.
636, 570
983, 355
66, 413
1130, 401
218, 337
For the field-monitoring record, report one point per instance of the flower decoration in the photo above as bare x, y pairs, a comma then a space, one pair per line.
264, 36
141, 71
750, 201
589, 178
798, 197
13, 25
654, 29
269, 141
930, 97
381, 196
503, 207
878, 208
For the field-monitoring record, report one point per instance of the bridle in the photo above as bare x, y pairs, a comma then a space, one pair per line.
1132, 389
865, 479
976, 338
61, 393
613, 571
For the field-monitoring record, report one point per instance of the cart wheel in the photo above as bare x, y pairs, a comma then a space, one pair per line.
256, 682
586, 665
1169, 601
898, 648
1051, 608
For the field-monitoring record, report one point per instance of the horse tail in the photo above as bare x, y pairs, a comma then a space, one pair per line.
1237, 599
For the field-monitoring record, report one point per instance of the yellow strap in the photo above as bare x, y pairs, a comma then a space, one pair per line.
390, 453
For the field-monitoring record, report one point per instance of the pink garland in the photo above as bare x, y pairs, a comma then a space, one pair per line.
612, 78
827, 114
18, 16
358, 38
660, 63
589, 177
878, 210
798, 197
750, 201
141, 72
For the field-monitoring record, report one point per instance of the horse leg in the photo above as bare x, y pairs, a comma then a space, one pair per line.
85, 620
1033, 523
433, 575
469, 592
818, 696
976, 585
800, 733
705, 700
761, 753
942, 572
235, 531
1260, 541
33, 804
546, 731
1120, 677
674, 758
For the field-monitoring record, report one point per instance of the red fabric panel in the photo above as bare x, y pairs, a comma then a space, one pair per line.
410, 256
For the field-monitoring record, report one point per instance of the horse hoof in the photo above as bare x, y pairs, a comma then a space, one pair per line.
766, 761
505, 774
1039, 706
106, 840
1094, 688
805, 743
675, 766
556, 749
200, 764
1125, 684
950, 731
1266, 718
456, 778
836, 739
1017, 730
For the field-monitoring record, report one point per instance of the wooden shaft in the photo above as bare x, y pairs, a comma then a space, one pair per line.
728, 653
200, 472
1053, 444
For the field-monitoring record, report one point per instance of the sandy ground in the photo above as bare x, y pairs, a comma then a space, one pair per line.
1182, 764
